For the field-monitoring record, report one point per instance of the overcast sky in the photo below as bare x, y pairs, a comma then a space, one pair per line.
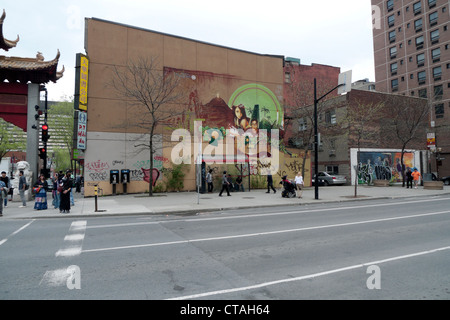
336, 33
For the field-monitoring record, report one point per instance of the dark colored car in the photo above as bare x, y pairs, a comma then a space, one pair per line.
446, 180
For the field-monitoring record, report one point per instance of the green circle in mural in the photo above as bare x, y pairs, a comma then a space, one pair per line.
260, 103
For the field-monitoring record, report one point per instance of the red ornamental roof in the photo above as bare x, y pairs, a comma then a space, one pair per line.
24, 70
35, 70
6, 44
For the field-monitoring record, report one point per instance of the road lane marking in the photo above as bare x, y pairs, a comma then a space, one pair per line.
74, 240
16, 232
129, 224
266, 233
73, 243
310, 276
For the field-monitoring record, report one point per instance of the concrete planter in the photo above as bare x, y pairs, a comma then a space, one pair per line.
433, 185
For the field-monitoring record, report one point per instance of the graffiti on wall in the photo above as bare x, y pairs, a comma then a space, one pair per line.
383, 166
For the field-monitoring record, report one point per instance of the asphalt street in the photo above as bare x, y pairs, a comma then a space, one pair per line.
366, 250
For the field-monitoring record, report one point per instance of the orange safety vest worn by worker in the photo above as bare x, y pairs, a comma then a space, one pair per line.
416, 175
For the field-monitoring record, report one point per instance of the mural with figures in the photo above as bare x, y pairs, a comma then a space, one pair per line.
383, 166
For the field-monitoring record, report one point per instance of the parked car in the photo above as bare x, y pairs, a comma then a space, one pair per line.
446, 180
330, 179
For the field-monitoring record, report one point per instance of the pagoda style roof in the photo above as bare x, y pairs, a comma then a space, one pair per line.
6, 44
35, 70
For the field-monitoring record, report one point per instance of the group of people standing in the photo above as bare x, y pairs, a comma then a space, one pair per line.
61, 194
412, 176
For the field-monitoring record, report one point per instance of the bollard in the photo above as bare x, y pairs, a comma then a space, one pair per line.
95, 196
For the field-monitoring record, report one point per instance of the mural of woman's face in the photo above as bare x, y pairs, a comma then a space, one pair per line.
238, 113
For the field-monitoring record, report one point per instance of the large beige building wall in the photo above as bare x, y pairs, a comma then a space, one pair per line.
215, 72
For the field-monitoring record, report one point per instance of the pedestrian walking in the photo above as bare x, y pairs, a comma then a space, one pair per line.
40, 189
225, 184
416, 177
5, 179
270, 184
22, 188
64, 206
209, 180
299, 184
3, 190
409, 178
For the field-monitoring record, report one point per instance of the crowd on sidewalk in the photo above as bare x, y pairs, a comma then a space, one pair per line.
62, 188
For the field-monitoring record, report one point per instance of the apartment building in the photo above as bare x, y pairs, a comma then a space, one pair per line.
412, 58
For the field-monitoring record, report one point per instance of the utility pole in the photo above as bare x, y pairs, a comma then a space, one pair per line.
316, 137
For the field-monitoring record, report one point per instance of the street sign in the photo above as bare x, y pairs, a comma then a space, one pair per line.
81, 131
345, 79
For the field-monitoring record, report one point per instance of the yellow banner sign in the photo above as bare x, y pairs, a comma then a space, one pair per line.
84, 71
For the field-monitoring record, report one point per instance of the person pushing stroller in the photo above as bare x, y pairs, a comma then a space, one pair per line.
289, 188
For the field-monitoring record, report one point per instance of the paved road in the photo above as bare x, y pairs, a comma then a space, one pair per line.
379, 249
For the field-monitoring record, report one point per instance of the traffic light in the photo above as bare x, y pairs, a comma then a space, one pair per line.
42, 153
45, 135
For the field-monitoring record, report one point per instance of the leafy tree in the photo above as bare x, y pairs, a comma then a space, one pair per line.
11, 138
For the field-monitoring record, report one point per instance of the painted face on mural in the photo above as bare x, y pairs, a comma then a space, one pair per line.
238, 113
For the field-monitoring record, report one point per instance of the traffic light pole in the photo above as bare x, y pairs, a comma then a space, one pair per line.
44, 170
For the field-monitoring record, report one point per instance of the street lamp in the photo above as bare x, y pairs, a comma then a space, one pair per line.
344, 81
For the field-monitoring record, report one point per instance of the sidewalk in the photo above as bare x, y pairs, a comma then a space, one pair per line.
189, 203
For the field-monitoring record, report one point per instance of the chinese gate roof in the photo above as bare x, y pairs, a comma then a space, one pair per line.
6, 44
35, 70
24, 70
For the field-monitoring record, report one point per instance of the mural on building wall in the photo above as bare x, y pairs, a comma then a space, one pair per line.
383, 166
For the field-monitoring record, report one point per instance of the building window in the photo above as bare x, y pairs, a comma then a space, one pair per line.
439, 111
391, 20
332, 169
392, 36
394, 68
420, 60
330, 117
393, 52
438, 92
394, 85
431, 3
287, 77
423, 93
417, 8
303, 124
419, 42
390, 5
434, 36
436, 54
433, 19
437, 73
418, 25
422, 77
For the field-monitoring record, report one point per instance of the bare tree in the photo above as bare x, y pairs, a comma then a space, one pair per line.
361, 125
154, 94
406, 118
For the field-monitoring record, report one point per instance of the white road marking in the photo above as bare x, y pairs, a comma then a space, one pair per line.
267, 233
15, 232
310, 276
259, 214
